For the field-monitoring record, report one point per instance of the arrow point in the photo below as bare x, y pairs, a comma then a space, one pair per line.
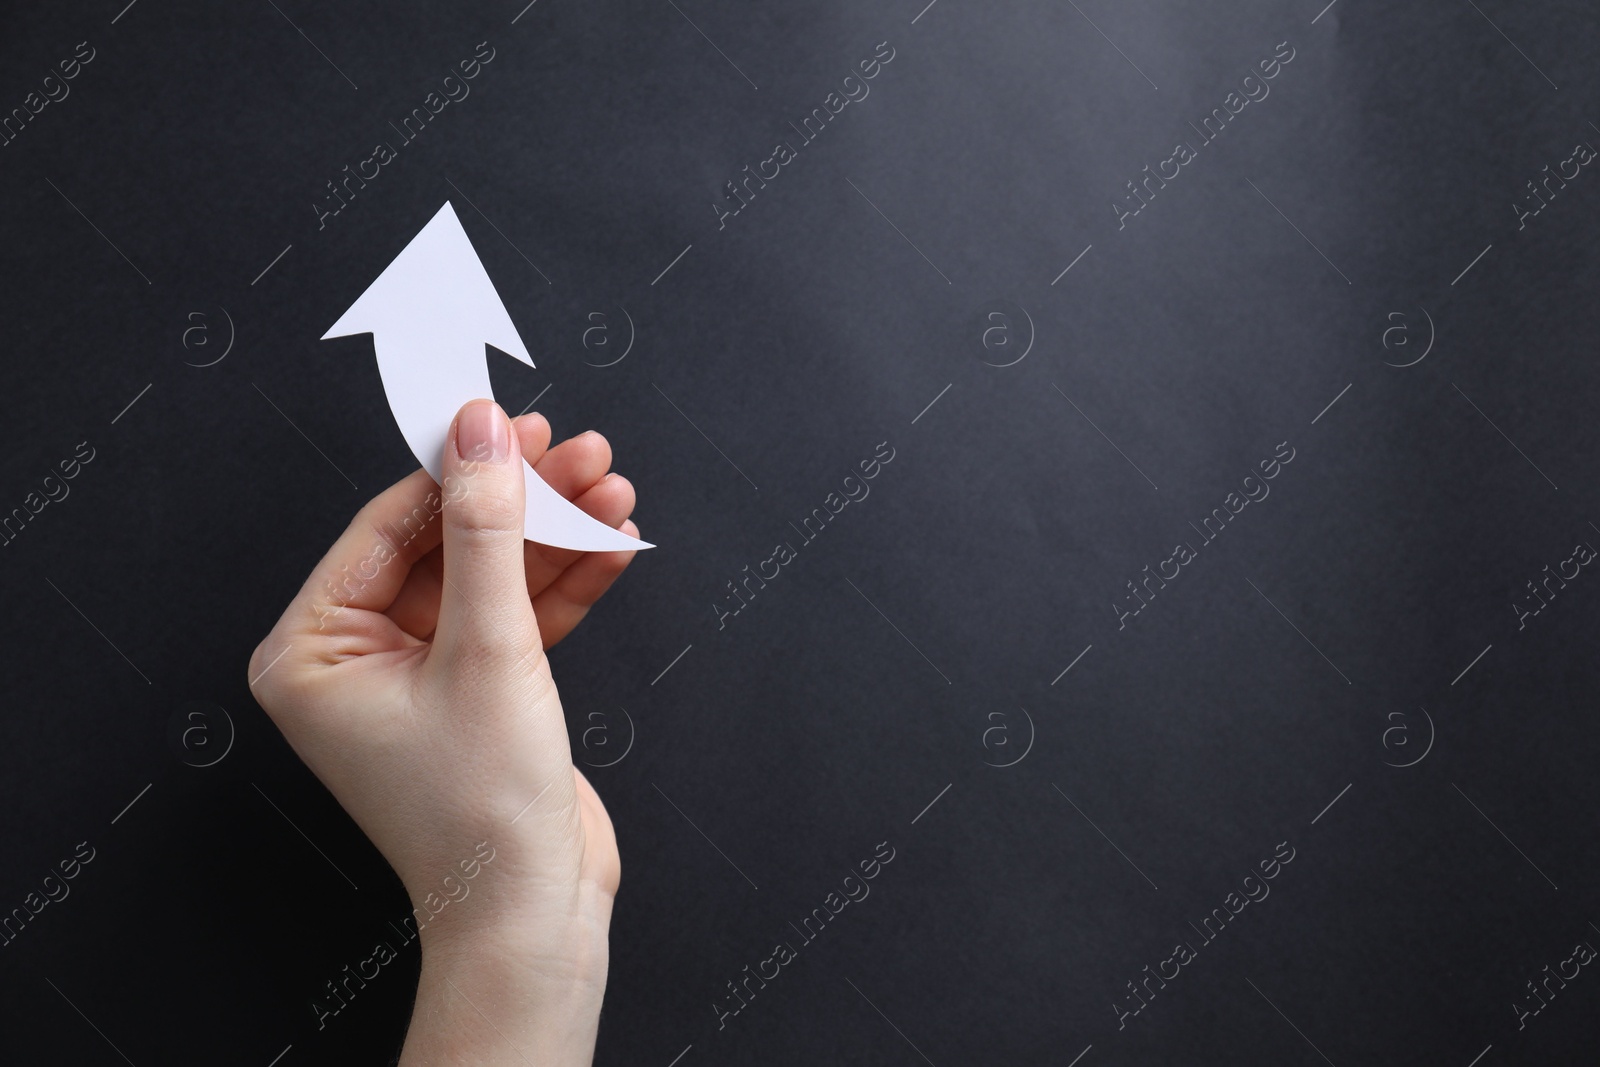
511, 345
346, 326
437, 276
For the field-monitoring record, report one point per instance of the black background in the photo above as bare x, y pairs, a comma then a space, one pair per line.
1292, 659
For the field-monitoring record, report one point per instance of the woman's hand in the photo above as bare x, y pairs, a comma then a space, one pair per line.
409, 674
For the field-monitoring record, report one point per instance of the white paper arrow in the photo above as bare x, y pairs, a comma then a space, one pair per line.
430, 314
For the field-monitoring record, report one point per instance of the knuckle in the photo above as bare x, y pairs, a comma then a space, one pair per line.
252, 670
265, 682
485, 509
275, 679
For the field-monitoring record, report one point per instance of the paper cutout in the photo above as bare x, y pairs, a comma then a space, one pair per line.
430, 314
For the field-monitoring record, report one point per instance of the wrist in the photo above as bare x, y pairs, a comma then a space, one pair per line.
512, 990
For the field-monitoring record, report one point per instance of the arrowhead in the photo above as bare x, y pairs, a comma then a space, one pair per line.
436, 288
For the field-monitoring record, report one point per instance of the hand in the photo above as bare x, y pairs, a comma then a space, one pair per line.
409, 674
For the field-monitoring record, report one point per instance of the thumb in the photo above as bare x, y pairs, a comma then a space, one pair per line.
484, 610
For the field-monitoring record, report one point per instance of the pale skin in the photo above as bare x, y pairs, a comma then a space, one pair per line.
409, 673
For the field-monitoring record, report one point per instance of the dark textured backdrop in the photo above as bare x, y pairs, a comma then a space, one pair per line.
1372, 611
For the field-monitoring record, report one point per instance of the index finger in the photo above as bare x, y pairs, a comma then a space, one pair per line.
367, 566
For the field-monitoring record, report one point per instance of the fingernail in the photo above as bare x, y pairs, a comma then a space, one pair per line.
482, 432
